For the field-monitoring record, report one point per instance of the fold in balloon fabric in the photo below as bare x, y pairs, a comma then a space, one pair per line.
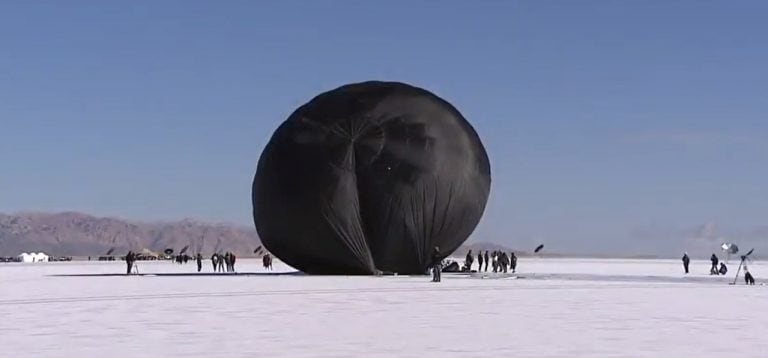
370, 177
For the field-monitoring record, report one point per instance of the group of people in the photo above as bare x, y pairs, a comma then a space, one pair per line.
714, 269
220, 261
181, 259
719, 268
500, 262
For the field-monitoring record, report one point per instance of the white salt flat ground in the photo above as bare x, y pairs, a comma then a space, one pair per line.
562, 308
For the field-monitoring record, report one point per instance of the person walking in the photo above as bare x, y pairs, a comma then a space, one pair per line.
686, 262
437, 266
715, 261
199, 259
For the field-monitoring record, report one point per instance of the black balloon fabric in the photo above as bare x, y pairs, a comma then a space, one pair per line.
369, 178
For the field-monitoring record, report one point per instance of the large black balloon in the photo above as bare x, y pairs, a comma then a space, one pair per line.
370, 177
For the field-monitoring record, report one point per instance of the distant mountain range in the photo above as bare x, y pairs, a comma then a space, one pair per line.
76, 234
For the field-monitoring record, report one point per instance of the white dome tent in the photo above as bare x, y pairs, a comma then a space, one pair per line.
33, 257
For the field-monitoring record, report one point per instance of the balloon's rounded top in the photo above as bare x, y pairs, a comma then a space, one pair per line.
369, 177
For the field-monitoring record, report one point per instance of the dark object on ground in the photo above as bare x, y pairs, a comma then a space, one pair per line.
368, 178
452, 267
538, 248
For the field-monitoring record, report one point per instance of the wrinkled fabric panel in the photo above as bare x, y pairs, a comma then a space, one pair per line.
370, 177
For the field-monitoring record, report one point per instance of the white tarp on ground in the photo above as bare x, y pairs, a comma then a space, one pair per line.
565, 310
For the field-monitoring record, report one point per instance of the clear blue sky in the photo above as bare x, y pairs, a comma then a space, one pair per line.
611, 125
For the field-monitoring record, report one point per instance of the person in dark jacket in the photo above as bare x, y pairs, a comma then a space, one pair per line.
480, 261
223, 260
437, 267
129, 259
199, 259
468, 261
487, 260
723, 269
266, 261
715, 261
512, 261
233, 258
504, 262
686, 262
748, 279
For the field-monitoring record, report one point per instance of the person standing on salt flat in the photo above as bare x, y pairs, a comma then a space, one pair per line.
222, 262
436, 264
715, 261
479, 261
129, 258
199, 259
513, 261
266, 261
504, 261
487, 260
686, 262
468, 261
748, 279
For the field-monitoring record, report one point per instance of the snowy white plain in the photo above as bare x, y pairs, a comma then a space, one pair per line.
556, 308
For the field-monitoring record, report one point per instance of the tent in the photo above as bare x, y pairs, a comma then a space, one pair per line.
33, 257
